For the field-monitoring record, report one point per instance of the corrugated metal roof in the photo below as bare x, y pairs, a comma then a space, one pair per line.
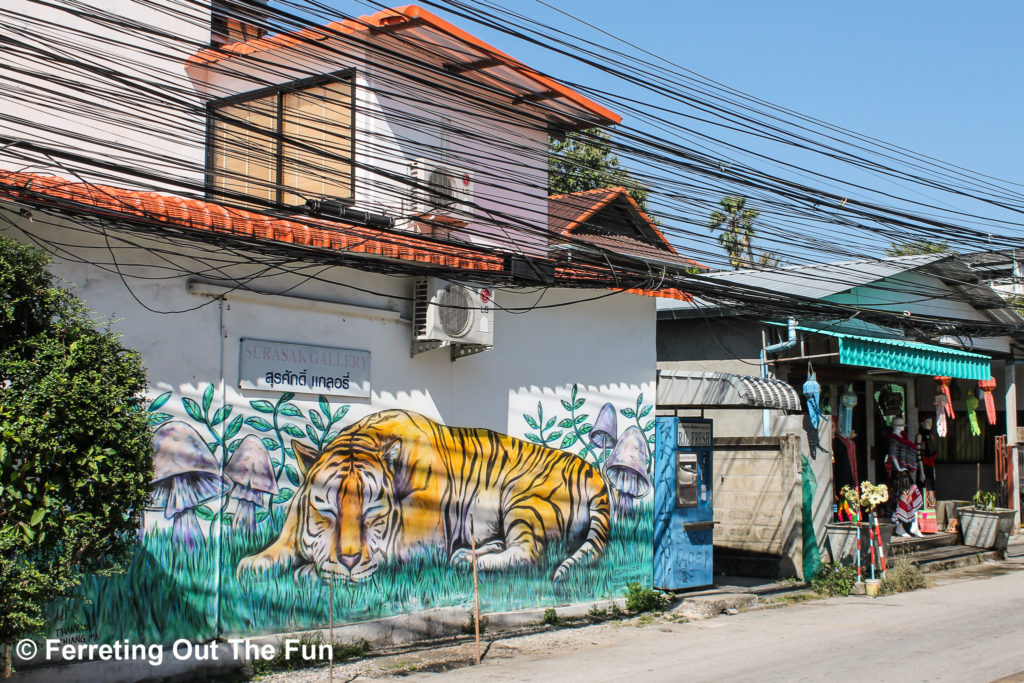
908, 356
686, 389
816, 280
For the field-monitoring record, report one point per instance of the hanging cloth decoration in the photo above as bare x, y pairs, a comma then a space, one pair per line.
846, 405
988, 386
940, 414
943, 383
812, 392
971, 403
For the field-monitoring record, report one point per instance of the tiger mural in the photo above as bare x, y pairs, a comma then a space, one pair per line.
396, 483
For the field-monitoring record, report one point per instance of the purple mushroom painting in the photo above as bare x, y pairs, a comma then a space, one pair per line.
626, 469
252, 472
185, 473
603, 435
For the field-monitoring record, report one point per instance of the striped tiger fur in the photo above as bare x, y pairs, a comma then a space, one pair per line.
396, 483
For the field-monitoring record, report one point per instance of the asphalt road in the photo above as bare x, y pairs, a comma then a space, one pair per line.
966, 631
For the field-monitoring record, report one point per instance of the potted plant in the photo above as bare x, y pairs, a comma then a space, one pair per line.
984, 525
842, 536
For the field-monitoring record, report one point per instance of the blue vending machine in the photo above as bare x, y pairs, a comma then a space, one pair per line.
683, 512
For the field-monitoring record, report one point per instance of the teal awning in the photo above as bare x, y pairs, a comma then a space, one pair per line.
908, 356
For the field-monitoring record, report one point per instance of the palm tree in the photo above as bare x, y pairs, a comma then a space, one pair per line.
736, 223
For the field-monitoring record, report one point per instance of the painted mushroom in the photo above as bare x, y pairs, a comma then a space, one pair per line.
626, 469
605, 428
253, 473
185, 474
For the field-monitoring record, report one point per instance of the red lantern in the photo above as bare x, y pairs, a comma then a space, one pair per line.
988, 386
943, 383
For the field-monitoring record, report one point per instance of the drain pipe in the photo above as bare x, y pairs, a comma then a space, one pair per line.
786, 345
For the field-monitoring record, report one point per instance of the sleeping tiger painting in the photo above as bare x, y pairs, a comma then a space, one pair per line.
397, 483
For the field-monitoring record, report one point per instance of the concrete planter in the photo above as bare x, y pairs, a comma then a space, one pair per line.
986, 528
842, 541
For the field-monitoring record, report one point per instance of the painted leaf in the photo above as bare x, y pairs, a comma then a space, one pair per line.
530, 421
639, 399
293, 431
312, 435
285, 397
581, 418
193, 409
566, 404
204, 512
228, 517
293, 475
212, 445
262, 406
649, 426
262, 515
290, 410
573, 394
550, 423
340, 413
259, 424
585, 429
233, 446
569, 440
158, 418
233, 427
628, 412
579, 403
325, 407
283, 495
331, 437
275, 463
554, 435
207, 399
566, 423
314, 415
288, 453
220, 415
533, 437
646, 411
270, 444
159, 401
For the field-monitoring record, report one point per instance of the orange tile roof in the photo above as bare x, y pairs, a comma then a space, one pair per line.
208, 217
567, 213
199, 217
468, 55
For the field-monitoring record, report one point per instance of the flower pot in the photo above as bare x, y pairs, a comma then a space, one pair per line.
872, 587
986, 528
842, 541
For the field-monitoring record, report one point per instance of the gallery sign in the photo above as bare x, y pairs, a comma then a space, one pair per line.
301, 368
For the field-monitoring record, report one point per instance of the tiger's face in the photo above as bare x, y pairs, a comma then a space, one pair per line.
351, 518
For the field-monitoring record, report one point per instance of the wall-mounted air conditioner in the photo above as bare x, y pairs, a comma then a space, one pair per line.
440, 191
446, 313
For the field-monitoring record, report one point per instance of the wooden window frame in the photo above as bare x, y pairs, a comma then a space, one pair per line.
279, 91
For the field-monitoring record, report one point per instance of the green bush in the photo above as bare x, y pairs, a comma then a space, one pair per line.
833, 578
641, 599
551, 617
902, 576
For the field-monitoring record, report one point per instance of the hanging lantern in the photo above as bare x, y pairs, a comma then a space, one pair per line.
943, 383
847, 402
988, 386
971, 403
812, 392
940, 414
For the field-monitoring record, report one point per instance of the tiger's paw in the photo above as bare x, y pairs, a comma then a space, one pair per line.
465, 555
306, 571
255, 563
460, 556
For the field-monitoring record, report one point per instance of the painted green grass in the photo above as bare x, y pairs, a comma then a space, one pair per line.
170, 592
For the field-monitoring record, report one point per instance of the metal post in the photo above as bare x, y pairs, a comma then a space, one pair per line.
1010, 410
476, 589
869, 424
330, 621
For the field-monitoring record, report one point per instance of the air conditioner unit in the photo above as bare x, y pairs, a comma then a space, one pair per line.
446, 313
441, 192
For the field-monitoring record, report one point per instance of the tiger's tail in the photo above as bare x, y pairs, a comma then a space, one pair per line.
597, 536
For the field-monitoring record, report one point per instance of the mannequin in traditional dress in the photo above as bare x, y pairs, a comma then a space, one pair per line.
905, 463
927, 449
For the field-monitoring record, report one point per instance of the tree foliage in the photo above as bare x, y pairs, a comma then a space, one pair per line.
919, 246
584, 161
75, 459
735, 225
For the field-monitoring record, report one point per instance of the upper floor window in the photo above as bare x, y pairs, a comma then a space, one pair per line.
284, 145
